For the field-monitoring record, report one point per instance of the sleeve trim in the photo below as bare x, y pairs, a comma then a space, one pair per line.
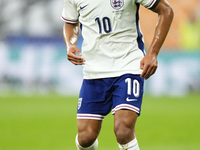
153, 4
67, 20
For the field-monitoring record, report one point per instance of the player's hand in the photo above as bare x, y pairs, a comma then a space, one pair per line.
72, 57
149, 65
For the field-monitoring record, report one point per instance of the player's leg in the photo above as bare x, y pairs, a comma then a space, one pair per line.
127, 100
124, 127
94, 104
88, 131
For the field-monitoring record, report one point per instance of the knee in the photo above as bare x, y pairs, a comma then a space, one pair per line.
124, 132
87, 138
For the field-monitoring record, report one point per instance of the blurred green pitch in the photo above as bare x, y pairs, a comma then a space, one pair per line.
49, 123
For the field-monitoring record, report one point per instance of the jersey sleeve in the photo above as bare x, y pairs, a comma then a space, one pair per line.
150, 4
69, 12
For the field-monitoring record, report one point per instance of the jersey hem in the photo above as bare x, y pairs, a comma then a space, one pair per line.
110, 74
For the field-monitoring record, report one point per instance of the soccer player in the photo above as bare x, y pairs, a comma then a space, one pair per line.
115, 63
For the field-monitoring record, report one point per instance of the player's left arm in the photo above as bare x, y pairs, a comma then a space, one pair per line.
149, 63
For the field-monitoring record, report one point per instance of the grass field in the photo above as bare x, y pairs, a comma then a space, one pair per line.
49, 123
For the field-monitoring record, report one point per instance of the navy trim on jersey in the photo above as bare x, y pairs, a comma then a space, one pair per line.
140, 36
81, 26
155, 4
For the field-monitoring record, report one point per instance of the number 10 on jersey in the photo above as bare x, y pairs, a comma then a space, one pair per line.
105, 24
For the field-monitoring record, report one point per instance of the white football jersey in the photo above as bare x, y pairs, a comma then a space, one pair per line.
112, 40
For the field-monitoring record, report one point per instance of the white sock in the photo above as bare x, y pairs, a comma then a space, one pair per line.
92, 147
132, 145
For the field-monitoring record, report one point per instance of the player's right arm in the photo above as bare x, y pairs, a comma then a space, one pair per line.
70, 35
70, 31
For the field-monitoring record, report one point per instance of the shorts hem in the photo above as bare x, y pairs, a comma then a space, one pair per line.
90, 116
126, 106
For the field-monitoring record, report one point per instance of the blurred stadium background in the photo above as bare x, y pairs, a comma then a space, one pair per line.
39, 87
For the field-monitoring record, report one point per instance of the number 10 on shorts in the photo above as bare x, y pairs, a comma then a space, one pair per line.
133, 87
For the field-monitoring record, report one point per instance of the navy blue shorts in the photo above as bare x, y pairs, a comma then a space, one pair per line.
100, 96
